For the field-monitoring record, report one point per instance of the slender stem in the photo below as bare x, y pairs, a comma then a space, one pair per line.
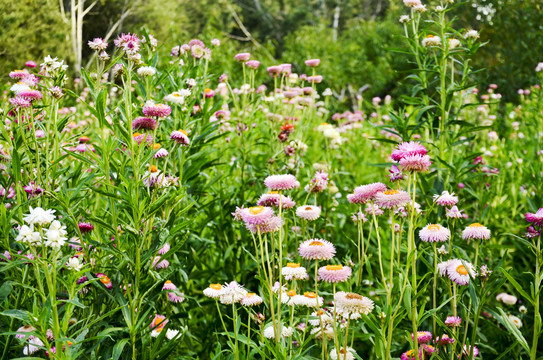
336, 341
434, 291
537, 289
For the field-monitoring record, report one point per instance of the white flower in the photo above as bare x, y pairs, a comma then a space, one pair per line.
539, 67
19, 87
404, 19
431, 40
170, 333
328, 91
216, 42
39, 216
33, 346
56, 235
286, 331
146, 71
523, 309
454, 43
28, 235
515, 321
191, 82
472, 34
74, 264
507, 299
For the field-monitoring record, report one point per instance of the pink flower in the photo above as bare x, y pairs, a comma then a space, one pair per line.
157, 110
312, 62
423, 337
536, 218
128, 42
256, 215
370, 209
318, 183
158, 323
242, 57
334, 273
314, 79
105, 280
454, 213
161, 153
85, 227
453, 321
274, 199
19, 103
416, 163
160, 264
144, 123
286, 69
434, 233
395, 173
308, 212
18, 74
164, 249
476, 231
410, 355
180, 137
408, 148
317, 249
281, 182
31, 64
253, 64
446, 199
468, 349
272, 224
392, 198
444, 340
364, 193
173, 295
98, 44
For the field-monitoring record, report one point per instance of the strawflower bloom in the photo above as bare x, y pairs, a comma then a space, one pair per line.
308, 212
251, 299
104, 279
431, 40
159, 263
454, 213
535, 218
156, 110
253, 64
318, 183
453, 321
364, 193
146, 71
274, 199
286, 331
507, 298
98, 44
308, 299
392, 198
232, 293
294, 271
395, 173
312, 62
423, 337
348, 354
417, 163
242, 57
460, 271
256, 215
180, 137
334, 273
30, 95
407, 149
434, 233
317, 249
411, 355
85, 227
281, 182
373, 208
352, 306
476, 231
214, 291
444, 340
28, 235
468, 349
74, 264
144, 123
158, 324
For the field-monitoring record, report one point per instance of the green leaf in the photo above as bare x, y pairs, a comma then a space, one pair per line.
5, 290
517, 286
118, 349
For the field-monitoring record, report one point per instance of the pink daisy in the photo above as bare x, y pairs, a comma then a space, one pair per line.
453, 321
274, 71
461, 271
273, 224
160, 153
157, 110
444, 340
251, 299
180, 137
536, 218
158, 323
434, 233
19, 103
312, 62
372, 208
144, 123
392, 198
253, 64
467, 350
160, 264
31, 64
85, 227
446, 199
281, 182
364, 193
417, 163
334, 273
408, 148
411, 355
242, 57
454, 213
24, 330
476, 231
314, 79
317, 249
318, 183
423, 337
173, 295
274, 199
164, 249
105, 280
308, 212
98, 44
256, 215
128, 42
18, 74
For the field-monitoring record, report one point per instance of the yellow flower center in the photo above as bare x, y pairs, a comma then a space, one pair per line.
310, 295
476, 225
291, 293
461, 269
183, 131
293, 265
334, 267
105, 280
434, 227
324, 123
420, 333
308, 208
176, 94
391, 192
168, 282
250, 295
153, 169
216, 286
156, 146
273, 192
136, 134
69, 343
429, 36
207, 90
316, 243
410, 353
352, 296
255, 210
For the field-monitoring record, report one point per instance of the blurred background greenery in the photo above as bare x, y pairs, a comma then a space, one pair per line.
352, 37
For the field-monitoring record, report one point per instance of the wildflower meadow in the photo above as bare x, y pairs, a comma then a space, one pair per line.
186, 201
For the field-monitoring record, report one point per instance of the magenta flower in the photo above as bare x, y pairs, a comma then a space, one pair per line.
105, 280
281, 182
423, 337
130, 43
535, 218
31, 64
408, 148
317, 249
365, 193
242, 57
274, 71
334, 273
256, 215
274, 199
157, 110
253, 64
395, 173
19, 103
415, 163
143, 123
314, 79
180, 137
453, 321
85, 227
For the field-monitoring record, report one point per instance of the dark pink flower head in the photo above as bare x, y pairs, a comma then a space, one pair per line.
253, 64
423, 337
180, 137
30, 80
535, 218
365, 193
19, 103
143, 123
415, 163
85, 227
128, 42
157, 110
274, 71
18, 74
31, 64
395, 173
105, 280
531, 232
30, 95
242, 57
408, 149
444, 340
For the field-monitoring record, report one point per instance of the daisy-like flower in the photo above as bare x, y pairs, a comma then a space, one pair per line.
30, 95
128, 42
272, 224
251, 299
105, 280
157, 325
373, 208
253, 64
214, 291
156, 110
159, 263
39, 216
34, 344
161, 153
359, 217
309, 299
472, 34
177, 97
392, 198
535, 218
476, 231
180, 137
18, 74
256, 215
274, 199
308, 212
281, 182
434, 233
364, 193
242, 57
85, 227
20, 103
144, 71
404, 19
233, 293
318, 183
320, 315
348, 354
453, 321
319, 332
173, 294
352, 306
431, 40
460, 271
312, 62
416, 163
143, 123
411, 355
286, 331
468, 349
407, 149
423, 337
24, 330
411, 3
507, 298
444, 340
294, 271
74, 264
454, 213
317, 249
28, 235
515, 321
446, 199
98, 44
334, 273
171, 334
56, 235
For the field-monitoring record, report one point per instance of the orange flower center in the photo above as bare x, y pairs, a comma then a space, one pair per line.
105, 280
434, 227
291, 293
391, 192
324, 123
316, 243
168, 282
250, 294
136, 134
334, 267
207, 90
310, 295
153, 169
462, 270
273, 192
429, 36
255, 210
308, 208
183, 131
216, 286
476, 225
156, 146
352, 296
293, 265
